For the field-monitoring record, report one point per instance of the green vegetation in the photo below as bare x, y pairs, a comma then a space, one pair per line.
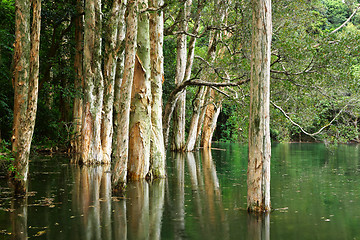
315, 73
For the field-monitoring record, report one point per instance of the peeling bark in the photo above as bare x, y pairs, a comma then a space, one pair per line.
258, 175
109, 80
92, 152
140, 114
195, 120
178, 142
210, 119
157, 148
25, 81
123, 101
79, 79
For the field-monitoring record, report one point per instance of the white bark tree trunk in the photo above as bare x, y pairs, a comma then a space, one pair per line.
178, 142
157, 148
25, 81
258, 179
195, 120
94, 85
123, 101
140, 113
109, 80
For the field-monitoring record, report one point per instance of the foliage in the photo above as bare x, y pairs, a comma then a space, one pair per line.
314, 73
6, 157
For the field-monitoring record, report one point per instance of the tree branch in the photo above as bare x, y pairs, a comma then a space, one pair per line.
347, 20
305, 132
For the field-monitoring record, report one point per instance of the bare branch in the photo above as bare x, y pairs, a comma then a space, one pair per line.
302, 129
153, 9
347, 20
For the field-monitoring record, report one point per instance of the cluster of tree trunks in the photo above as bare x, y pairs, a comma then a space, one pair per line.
119, 119
122, 104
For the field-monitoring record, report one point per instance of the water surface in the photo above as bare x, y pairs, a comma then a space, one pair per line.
314, 192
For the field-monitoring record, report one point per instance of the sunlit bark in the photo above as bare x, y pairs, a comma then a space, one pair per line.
92, 152
190, 142
111, 36
25, 82
122, 101
157, 149
210, 119
178, 142
140, 113
258, 179
195, 119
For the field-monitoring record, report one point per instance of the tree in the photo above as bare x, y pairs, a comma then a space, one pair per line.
157, 148
178, 142
110, 60
258, 179
79, 79
94, 85
123, 101
140, 113
25, 81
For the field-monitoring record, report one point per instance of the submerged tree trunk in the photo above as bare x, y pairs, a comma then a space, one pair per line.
178, 142
79, 79
26, 75
195, 120
210, 119
190, 142
258, 175
123, 101
140, 114
157, 148
109, 80
92, 152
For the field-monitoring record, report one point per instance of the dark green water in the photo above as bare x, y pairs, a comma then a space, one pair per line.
314, 191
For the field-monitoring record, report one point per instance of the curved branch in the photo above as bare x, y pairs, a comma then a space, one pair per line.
347, 20
305, 132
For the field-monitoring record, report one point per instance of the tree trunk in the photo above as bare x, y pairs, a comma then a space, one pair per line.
210, 119
26, 76
157, 148
178, 142
123, 101
190, 143
94, 85
258, 175
109, 80
140, 114
79, 79
194, 124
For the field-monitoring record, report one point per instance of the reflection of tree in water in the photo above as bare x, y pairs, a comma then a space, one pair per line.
208, 211
206, 196
259, 226
91, 182
103, 217
18, 218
